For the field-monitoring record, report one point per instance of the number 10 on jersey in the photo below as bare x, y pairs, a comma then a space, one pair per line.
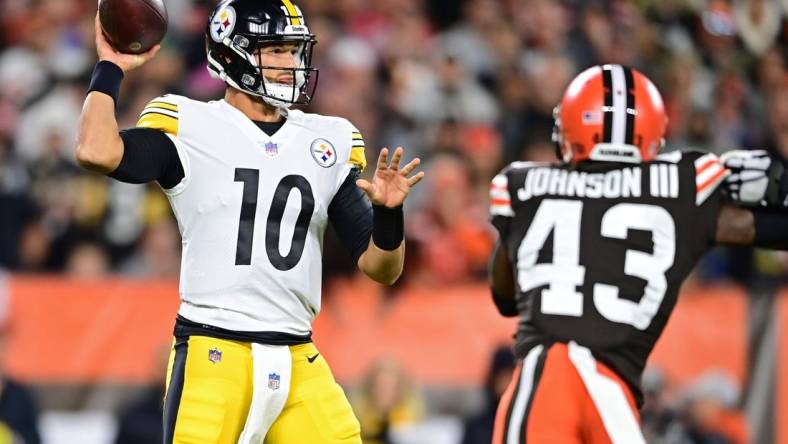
243, 250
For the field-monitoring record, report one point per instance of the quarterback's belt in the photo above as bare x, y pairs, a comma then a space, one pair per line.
185, 327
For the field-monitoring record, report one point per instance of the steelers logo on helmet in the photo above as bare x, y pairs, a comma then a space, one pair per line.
235, 35
324, 153
223, 23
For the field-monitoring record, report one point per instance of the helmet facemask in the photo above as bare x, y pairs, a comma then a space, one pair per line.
282, 95
239, 62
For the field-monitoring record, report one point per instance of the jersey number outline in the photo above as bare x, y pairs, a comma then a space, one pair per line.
243, 250
564, 274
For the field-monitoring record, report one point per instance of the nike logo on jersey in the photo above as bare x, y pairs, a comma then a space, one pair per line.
311, 359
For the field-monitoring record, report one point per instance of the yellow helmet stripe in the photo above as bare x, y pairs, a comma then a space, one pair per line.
292, 12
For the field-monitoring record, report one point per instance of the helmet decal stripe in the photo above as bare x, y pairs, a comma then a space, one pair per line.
230, 50
607, 82
629, 136
609, 113
295, 19
619, 104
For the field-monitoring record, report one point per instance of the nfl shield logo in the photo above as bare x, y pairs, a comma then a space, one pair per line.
273, 381
215, 355
271, 149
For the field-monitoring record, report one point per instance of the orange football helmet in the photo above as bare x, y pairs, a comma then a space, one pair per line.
610, 113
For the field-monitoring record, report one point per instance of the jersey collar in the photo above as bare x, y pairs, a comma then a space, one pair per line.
290, 128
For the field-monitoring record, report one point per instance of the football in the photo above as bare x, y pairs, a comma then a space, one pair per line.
133, 26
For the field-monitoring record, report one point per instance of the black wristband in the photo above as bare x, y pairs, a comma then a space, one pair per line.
771, 229
388, 227
106, 79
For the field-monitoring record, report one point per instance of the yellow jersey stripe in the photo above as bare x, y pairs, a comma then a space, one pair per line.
154, 109
165, 105
292, 12
357, 136
158, 121
358, 158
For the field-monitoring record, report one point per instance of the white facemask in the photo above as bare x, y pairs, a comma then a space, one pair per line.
281, 95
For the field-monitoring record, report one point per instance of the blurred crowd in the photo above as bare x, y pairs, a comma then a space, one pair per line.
466, 85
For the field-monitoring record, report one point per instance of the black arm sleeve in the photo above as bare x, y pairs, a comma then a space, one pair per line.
350, 212
502, 224
148, 154
771, 229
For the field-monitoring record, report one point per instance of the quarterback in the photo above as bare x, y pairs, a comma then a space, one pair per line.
253, 184
592, 253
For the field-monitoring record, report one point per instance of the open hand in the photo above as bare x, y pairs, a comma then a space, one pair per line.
390, 185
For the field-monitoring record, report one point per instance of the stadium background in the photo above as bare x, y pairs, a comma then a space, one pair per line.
89, 290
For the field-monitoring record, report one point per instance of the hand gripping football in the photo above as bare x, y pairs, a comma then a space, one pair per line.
133, 26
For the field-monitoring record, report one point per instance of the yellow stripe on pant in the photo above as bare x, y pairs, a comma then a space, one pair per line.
209, 389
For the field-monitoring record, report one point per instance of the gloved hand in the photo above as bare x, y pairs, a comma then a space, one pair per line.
755, 178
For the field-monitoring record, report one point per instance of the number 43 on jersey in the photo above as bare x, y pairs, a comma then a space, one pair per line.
565, 273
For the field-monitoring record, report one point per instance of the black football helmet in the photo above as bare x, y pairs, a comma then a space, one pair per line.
237, 28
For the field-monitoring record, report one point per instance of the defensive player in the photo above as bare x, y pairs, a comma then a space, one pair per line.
592, 253
253, 185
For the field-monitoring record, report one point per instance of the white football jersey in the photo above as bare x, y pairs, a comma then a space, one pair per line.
252, 210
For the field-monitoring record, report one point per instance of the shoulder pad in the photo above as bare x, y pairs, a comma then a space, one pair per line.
522, 165
160, 113
500, 198
709, 174
358, 158
672, 157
